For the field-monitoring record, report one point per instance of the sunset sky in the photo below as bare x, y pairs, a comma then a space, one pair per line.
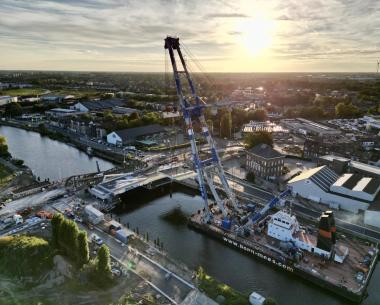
225, 36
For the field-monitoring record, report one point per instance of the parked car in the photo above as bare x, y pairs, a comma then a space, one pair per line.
78, 219
44, 214
116, 272
96, 239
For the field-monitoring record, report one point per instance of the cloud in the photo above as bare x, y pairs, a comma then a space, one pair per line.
283, 17
234, 33
227, 15
63, 33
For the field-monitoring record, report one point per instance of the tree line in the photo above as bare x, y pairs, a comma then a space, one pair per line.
73, 243
228, 121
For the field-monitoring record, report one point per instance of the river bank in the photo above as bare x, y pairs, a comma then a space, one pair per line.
57, 136
50, 159
15, 176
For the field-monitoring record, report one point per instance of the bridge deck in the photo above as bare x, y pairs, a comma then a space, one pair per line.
116, 185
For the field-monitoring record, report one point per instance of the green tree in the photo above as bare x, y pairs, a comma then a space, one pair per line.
43, 130
270, 301
239, 117
257, 115
134, 116
104, 262
13, 109
56, 223
72, 238
260, 137
4, 147
343, 110
83, 251
225, 125
68, 238
18, 162
250, 177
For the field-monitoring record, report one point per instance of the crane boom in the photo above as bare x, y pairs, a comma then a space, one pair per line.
192, 108
272, 203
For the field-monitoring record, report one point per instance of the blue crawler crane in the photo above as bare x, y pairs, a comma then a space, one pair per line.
253, 218
192, 107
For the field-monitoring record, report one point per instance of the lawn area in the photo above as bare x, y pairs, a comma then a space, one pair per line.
78, 93
213, 288
23, 91
5, 175
24, 255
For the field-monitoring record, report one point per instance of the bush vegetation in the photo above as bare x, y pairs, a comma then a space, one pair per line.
214, 288
256, 138
4, 153
24, 255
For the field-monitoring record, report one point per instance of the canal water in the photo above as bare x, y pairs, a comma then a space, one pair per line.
48, 158
147, 210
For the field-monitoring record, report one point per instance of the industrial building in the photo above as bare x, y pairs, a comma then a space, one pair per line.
61, 112
350, 192
264, 161
124, 111
6, 99
372, 122
254, 126
355, 186
98, 106
131, 135
372, 215
343, 165
309, 128
319, 146
53, 99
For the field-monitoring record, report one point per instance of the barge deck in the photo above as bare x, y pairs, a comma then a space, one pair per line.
338, 278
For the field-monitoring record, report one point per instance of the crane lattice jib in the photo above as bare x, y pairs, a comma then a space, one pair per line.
272, 203
192, 107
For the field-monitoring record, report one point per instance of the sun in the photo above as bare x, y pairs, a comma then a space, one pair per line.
255, 35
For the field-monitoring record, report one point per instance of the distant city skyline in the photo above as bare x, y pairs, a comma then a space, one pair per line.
224, 36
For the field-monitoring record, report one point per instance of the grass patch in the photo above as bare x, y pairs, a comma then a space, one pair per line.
213, 288
23, 91
78, 93
175, 216
24, 255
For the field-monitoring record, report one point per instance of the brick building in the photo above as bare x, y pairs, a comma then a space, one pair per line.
264, 161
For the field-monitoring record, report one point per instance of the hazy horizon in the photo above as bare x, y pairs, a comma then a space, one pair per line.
272, 36
193, 72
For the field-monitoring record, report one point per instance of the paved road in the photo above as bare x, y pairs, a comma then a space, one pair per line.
30, 201
176, 289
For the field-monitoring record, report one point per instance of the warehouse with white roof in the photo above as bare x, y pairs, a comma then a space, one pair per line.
350, 192
353, 185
